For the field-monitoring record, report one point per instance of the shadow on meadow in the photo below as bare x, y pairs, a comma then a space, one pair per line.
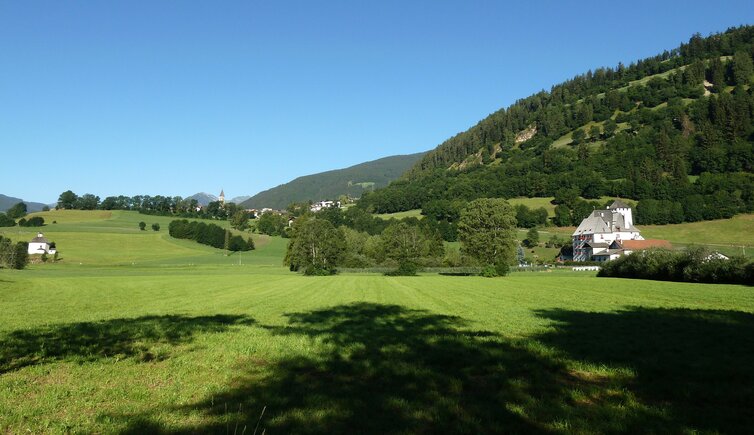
90, 341
697, 365
389, 369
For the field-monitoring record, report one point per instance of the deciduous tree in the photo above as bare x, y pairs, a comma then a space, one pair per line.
316, 247
486, 230
18, 210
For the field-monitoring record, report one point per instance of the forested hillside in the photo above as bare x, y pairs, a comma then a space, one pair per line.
674, 131
352, 181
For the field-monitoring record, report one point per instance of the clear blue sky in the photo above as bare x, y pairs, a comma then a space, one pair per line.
178, 97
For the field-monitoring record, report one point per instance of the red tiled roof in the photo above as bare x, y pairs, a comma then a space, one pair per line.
635, 245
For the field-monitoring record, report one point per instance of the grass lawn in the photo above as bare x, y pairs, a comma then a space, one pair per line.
188, 340
417, 213
736, 231
536, 203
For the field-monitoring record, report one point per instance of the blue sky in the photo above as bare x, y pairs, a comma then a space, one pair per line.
178, 97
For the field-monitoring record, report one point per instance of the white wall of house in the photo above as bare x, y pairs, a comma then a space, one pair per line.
38, 248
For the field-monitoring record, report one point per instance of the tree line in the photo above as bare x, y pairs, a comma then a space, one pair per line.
151, 205
320, 243
209, 234
696, 264
18, 211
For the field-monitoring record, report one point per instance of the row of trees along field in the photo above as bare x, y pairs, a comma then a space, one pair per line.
677, 127
209, 234
18, 211
320, 243
697, 264
157, 205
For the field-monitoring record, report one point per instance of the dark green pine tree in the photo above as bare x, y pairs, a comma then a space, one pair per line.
716, 75
743, 68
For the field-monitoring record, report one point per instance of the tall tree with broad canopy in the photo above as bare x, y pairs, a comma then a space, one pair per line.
487, 232
406, 244
67, 200
240, 220
17, 211
316, 247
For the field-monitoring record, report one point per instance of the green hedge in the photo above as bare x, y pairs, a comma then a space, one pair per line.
695, 264
208, 234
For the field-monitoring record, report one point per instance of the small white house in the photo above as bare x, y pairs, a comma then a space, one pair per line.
40, 245
317, 206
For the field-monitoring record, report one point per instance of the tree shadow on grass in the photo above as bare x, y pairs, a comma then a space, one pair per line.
388, 369
697, 365
90, 341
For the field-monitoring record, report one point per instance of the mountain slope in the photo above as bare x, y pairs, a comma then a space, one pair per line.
597, 95
203, 198
352, 181
676, 129
239, 199
7, 202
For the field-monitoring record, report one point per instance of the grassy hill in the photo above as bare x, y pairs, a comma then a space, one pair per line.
113, 239
134, 332
352, 181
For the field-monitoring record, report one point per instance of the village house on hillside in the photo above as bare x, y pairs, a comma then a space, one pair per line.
607, 234
317, 206
40, 245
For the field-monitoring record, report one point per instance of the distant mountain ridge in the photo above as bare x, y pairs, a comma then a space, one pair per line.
239, 199
203, 198
7, 202
353, 181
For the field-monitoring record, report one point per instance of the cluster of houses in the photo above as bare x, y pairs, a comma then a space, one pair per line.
317, 206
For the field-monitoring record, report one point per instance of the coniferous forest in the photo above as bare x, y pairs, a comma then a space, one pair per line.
674, 132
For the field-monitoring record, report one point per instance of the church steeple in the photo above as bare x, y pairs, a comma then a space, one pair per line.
222, 197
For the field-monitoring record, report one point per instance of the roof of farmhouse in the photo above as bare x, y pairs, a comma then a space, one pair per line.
39, 239
618, 204
604, 222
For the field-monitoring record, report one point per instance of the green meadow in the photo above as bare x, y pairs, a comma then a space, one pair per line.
135, 332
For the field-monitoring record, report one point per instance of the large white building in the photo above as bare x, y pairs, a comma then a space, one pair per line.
599, 236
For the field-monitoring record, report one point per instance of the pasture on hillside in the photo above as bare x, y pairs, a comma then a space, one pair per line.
135, 332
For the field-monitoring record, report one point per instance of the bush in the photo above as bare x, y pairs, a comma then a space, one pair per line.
489, 272
208, 234
142, 225
693, 265
155, 227
36, 221
502, 269
405, 268
316, 271
5, 221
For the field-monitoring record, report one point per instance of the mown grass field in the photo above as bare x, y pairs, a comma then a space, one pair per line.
176, 337
417, 213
